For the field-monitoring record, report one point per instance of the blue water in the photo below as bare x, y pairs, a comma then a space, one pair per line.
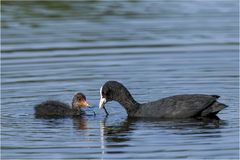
51, 50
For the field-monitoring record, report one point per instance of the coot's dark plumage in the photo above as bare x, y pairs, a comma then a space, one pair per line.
55, 108
178, 106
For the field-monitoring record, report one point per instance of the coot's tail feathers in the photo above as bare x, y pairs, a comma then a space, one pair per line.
213, 109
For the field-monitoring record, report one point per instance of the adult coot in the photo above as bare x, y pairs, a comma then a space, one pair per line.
55, 108
178, 106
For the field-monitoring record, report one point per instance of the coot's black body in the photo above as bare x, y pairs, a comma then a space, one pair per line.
178, 106
53, 108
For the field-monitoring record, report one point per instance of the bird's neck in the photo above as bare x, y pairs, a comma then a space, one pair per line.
74, 107
127, 101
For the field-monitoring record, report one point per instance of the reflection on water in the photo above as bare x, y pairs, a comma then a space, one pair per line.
80, 123
120, 133
117, 135
158, 48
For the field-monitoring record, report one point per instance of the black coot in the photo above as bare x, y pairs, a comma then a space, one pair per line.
178, 106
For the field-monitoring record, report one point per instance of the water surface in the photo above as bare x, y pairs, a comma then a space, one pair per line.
157, 49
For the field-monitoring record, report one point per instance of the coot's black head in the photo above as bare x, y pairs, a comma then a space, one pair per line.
111, 90
79, 101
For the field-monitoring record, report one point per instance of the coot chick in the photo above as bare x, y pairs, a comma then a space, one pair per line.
178, 106
53, 108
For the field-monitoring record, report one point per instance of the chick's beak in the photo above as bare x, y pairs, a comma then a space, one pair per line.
85, 104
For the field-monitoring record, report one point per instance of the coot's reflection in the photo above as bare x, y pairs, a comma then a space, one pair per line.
116, 134
121, 132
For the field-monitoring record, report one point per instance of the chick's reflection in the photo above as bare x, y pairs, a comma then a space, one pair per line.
80, 123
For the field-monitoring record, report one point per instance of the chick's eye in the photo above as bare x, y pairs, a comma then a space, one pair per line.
79, 99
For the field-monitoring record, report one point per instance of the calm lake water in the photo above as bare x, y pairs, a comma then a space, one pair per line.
50, 50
